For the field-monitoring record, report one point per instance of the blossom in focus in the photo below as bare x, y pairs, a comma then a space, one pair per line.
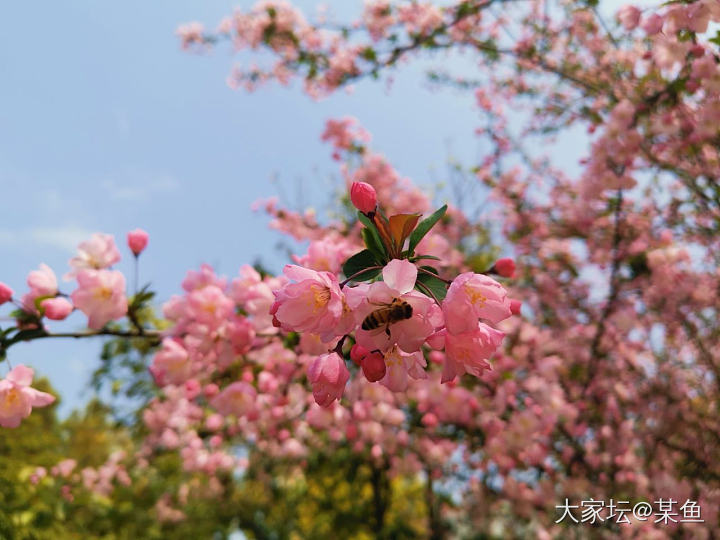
57, 308
400, 365
314, 303
96, 253
17, 398
328, 376
468, 352
5, 293
472, 297
363, 197
398, 281
137, 241
101, 296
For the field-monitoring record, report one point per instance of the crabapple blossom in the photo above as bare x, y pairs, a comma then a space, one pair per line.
471, 297
328, 376
17, 398
96, 253
101, 296
401, 365
399, 278
237, 399
42, 282
468, 352
313, 303
629, 17
171, 365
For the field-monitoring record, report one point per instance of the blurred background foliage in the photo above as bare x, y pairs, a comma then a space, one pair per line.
329, 496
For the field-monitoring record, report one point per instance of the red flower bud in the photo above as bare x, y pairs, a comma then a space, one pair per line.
137, 241
357, 353
373, 366
515, 306
363, 197
5, 293
505, 267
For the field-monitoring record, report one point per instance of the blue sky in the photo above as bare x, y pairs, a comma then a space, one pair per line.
106, 125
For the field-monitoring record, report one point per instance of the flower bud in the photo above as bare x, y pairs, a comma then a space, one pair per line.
56, 309
373, 366
515, 306
328, 376
357, 353
5, 293
363, 197
505, 267
137, 241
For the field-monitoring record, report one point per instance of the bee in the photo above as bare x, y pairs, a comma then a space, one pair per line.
395, 311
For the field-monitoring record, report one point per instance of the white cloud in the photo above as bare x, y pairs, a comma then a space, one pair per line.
141, 190
66, 238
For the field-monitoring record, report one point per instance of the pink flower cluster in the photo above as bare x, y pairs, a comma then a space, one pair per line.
313, 302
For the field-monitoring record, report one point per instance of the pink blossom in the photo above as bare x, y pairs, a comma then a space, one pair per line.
473, 296
629, 17
101, 296
468, 352
400, 365
398, 281
652, 24
57, 308
363, 197
238, 399
17, 398
5, 293
326, 255
96, 253
137, 241
42, 282
171, 364
210, 305
328, 376
314, 303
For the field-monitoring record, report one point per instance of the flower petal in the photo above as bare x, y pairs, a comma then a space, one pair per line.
400, 275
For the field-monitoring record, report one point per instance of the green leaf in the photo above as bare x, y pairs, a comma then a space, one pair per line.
421, 257
371, 236
424, 227
436, 286
430, 269
358, 262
